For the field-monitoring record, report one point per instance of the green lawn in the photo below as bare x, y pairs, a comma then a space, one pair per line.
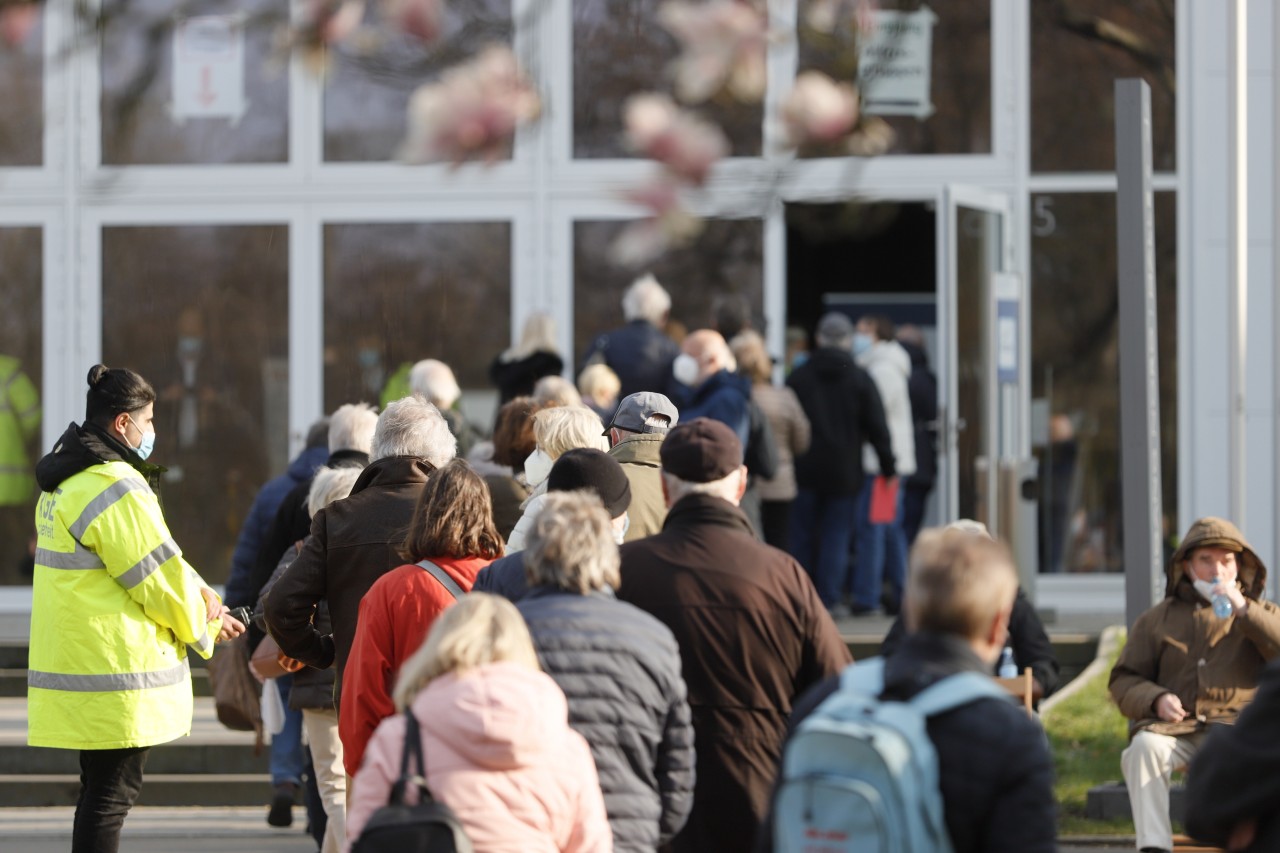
1087, 734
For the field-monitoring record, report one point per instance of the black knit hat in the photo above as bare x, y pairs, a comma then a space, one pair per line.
595, 471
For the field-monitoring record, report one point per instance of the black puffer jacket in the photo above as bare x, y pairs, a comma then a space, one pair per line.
994, 767
620, 669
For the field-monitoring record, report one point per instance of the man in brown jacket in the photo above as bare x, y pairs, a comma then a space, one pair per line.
1185, 669
751, 630
635, 433
356, 540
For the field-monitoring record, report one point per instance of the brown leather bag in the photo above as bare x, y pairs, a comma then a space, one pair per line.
237, 696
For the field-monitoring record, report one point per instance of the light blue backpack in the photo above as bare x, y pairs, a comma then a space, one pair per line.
860, 775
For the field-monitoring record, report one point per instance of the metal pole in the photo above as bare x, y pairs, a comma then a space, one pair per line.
1141, 486
1238, 251
1275, 287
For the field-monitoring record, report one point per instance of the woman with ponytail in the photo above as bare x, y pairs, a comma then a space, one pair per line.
114, 607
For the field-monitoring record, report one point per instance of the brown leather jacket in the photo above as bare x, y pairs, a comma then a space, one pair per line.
1179, 646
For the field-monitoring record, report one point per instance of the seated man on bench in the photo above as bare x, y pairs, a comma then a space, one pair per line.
1186, 668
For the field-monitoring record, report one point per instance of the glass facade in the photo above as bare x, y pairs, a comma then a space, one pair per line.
201, 311
21, 409
22, 100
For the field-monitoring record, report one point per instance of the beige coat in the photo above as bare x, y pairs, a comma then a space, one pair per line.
1179, 646
791, 434
638, 456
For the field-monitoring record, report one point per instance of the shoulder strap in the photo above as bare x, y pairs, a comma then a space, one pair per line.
412, 753
445, 581
865, 676
956, 690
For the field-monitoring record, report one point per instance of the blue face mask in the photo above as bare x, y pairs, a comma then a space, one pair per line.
861, 343
146, 444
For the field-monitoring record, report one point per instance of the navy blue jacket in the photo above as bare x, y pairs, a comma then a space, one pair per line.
505, 577
619, 667
640, 353
724, 397
258, 521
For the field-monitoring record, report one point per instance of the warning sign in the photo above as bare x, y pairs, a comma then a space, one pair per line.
208, 68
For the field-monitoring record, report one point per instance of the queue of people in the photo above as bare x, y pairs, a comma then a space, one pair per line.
579, 631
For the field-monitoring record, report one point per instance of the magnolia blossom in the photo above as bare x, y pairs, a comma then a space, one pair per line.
723, 43
420, 18
471, 112
823, 15
686, 144
668, 224
872, 138
818, 109
319, 24
17, 21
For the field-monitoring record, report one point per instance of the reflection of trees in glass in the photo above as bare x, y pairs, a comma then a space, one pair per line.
400, 292
726, 258
202, 313
1075, 360
20, 306
22, 102
137, 88
1078, 49
619, 50
960, 83
368, 87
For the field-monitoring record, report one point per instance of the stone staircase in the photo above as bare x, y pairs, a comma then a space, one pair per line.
212, 767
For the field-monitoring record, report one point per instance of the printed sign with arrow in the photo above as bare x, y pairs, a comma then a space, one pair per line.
208, 68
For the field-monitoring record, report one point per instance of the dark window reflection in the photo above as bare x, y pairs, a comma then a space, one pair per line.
22, 100
138, 127
960, 85
726, 259
20, 398
1075, 375
395, 293
202, 313
619, 50
370, 80
1078, 50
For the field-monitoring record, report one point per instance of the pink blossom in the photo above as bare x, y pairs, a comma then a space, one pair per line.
419, 18
818, 109
823, 15
686, 144
871, 138
319, 24
17, 21
471, 112
723, 43
668, 225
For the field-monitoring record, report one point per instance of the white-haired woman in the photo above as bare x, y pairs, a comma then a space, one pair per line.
497, 746
555, 431
433, 380
515, 370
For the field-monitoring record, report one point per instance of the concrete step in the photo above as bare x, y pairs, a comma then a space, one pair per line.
158, 789
179, 757
1110, 801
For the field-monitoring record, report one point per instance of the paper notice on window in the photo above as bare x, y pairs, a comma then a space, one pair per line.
895, 64
208, 68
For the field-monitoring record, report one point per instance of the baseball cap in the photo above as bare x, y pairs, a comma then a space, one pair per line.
635, 409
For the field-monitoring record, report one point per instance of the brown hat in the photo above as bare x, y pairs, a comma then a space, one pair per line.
701, 451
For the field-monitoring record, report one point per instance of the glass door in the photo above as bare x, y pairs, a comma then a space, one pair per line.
982, 387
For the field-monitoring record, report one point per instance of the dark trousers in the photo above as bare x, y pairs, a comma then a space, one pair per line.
775, 519
914, 498
110, 781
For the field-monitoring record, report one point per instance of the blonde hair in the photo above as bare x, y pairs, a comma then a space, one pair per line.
565, 427
556, 391
478, 629
570, 545
329, 485
537, 335
598, 383
958, 581
753, 359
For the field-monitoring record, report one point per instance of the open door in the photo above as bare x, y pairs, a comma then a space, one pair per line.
983, 385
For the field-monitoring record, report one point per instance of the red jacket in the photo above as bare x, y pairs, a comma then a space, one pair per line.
395, 615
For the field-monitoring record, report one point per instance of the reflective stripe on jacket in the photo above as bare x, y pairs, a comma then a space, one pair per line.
19, 420
114, 608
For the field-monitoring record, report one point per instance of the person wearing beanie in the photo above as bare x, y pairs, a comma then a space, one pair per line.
582, 468
618, 666
752, 633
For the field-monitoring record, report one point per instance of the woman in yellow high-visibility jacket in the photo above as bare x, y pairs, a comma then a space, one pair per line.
114, 607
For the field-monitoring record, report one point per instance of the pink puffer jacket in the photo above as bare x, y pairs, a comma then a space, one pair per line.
500, 753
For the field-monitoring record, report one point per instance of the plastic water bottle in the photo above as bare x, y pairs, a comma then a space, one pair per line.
1009, 669
1222, 607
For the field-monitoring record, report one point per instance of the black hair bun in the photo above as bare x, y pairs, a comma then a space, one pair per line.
97, 373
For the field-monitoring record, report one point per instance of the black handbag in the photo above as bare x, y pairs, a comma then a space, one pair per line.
427, 827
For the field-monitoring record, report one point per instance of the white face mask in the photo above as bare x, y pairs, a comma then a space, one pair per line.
537, 467
1207, 588
686, 369
620, 533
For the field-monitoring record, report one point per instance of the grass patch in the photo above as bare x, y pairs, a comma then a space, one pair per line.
1086, 735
